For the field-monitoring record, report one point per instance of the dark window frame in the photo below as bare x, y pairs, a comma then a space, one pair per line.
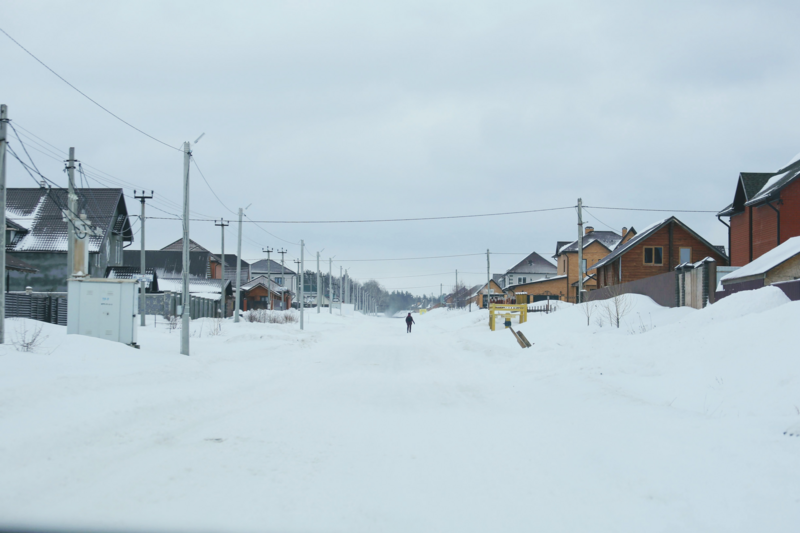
652, 250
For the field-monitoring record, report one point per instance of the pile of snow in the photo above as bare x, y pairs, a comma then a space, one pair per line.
355, 425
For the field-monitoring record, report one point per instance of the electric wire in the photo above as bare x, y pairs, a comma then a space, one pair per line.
86, 95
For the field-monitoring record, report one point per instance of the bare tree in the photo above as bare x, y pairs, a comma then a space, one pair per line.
588, 309
27, 340
618, 305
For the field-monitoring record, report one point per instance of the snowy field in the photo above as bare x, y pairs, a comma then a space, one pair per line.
673, 422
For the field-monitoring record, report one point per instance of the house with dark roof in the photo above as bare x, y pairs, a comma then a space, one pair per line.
657, 249
596, 245
37, 234
765, 212
282, 275
533, 267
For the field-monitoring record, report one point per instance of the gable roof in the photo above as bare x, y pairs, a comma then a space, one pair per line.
271, 266
768, 261
264, 281
177, 246
754, 188
644, 234
559, 246
772, 188
609, 239
35, 213
533, 264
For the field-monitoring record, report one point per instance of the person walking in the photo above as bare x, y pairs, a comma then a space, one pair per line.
409, 321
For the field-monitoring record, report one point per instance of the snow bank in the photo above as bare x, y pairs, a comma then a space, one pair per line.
355, 425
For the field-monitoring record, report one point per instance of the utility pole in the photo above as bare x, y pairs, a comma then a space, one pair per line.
319, 287
269, 276
238, 271
72, 207
580, 251
282, 251
302, 281
297, 277
488, 280
330, 286
3, 288
142, 301
455, 293
185, 298
341, 289
222, 224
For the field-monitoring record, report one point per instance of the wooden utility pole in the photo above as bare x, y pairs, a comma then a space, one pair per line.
580, 251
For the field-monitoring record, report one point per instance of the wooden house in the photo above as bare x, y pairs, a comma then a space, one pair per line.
554, 288
497, 295
655, 250
778, 266
596, 246
765, 212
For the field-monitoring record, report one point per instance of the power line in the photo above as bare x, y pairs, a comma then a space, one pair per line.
366, 221
407, 258
194, 160
653, 210
597, 219
86, 95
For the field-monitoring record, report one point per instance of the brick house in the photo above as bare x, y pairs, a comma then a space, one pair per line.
657, 249
262, 293
765, 212
596, 245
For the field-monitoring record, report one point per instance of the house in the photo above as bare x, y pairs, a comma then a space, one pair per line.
282, 275
554, 288
37, 234
657, 249
533, 267
261, 293
497, 295
215, 269
765, 212
780, 266
596, 245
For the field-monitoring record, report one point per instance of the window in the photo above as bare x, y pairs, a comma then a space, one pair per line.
279, 281
686, 255
653, 255
583, 271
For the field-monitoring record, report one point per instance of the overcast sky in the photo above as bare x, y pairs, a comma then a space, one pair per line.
358, 110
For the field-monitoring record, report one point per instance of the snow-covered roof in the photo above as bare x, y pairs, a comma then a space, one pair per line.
196, 285
777, 182
768, 261
265, 282
270, 266
36, 214
609, 239
542, 280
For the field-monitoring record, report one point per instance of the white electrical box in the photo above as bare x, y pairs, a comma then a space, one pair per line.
103, 308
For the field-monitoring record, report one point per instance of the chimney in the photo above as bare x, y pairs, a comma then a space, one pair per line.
588, 230
42, 184
624, 230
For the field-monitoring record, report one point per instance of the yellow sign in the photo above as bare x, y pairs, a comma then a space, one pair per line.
423, 311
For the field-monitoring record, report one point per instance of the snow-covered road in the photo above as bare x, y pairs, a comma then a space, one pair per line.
354, 425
